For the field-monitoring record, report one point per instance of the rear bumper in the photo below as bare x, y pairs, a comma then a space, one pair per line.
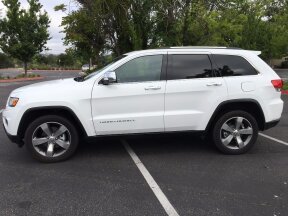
14, 139
271, 124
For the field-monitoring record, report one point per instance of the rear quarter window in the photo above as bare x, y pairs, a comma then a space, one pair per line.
229, 65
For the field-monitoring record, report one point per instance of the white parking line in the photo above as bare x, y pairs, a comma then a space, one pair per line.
274, 139
170, 210
1, 111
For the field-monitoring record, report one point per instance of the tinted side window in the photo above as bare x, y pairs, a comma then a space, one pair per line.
146, 68
189, 67
233, 66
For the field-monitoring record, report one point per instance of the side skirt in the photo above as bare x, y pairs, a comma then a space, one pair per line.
146, 135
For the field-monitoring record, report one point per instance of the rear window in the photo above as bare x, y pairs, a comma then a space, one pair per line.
189, 67
228, 65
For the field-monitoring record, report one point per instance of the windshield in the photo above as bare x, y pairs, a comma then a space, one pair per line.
99, 70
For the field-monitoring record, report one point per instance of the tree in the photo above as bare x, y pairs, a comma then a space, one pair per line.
101, 27
24, 33
5, 61
83, 31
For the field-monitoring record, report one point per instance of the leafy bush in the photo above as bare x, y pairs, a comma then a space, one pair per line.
284, 64
89, 71
5, 61
28, 76
19, 76
285, 87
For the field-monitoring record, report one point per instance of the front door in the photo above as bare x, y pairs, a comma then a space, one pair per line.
135, 104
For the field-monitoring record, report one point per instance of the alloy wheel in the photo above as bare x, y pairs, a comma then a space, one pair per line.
236, 133
51, 139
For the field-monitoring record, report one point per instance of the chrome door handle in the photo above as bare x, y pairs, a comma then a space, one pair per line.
153, 88
214, 84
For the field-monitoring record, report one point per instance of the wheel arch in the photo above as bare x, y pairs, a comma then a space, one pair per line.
249, 105
33, 113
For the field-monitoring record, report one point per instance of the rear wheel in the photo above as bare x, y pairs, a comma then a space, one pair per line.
51, 138
235, 132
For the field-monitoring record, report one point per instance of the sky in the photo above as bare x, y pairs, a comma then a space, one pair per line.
55, 44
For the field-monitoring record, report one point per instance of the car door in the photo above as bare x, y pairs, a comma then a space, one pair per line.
135, 104
192, 92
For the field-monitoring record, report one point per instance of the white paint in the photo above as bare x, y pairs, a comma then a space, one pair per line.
274, 139
132, 107
30, 97
248, 86
170, 210
174, 105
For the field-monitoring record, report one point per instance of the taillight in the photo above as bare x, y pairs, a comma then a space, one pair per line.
278, 84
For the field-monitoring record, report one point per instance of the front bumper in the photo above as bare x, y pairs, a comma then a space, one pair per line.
14, 139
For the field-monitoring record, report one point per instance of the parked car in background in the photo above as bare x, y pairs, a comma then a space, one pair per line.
85, 67
226, 94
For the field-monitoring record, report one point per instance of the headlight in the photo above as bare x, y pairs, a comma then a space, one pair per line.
13, 101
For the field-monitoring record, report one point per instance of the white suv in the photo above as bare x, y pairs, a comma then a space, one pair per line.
226, 93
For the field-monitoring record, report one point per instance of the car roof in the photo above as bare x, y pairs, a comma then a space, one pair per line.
212, 49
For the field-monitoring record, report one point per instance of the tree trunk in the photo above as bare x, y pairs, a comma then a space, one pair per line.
25, 68
185, 36
90, 63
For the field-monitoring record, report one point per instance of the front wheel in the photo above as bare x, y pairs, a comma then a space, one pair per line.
51, 138
235, 132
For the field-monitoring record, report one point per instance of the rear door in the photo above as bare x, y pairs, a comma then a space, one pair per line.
192, 91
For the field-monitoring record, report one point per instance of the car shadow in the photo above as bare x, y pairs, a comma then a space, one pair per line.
176, 143
148, 144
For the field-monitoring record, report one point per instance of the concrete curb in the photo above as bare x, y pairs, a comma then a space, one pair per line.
54, 71
21, 80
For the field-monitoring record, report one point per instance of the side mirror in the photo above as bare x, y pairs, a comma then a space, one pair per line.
109, 77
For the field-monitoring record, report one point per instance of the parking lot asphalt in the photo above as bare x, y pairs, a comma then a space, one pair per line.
102, 179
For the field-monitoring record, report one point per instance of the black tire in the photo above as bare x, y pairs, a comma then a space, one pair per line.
73, 135
230, 116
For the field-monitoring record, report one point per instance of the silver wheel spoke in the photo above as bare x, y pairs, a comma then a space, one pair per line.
240, 142
39, 141
247, 131
63, 144
60, 131
236, 133
46, 129
226, 127
51, 139
227, 140
239, 121
50, 150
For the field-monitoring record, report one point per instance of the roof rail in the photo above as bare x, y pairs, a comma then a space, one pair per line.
204, 47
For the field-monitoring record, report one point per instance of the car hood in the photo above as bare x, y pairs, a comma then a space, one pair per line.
47, 85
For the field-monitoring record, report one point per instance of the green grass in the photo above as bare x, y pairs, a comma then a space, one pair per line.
285, 86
